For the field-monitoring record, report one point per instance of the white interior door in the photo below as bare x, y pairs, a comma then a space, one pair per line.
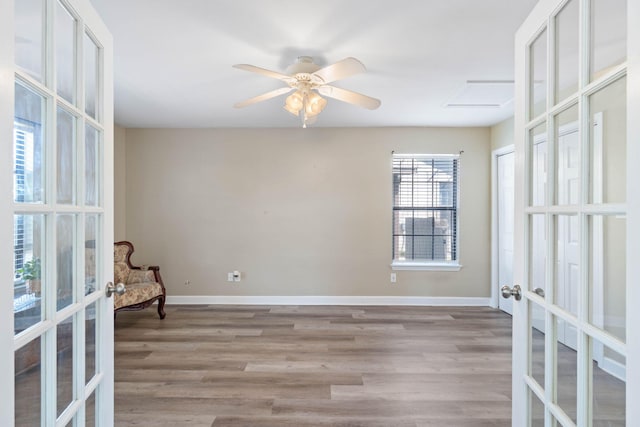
56, 214
505, 212
568, 255
577, 61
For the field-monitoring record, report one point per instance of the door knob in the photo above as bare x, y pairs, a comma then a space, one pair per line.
515, 292
117, 289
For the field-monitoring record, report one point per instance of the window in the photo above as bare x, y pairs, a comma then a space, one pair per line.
27, 185
425, 211
23, 137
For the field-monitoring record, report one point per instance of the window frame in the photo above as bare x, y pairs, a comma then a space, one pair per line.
426, 264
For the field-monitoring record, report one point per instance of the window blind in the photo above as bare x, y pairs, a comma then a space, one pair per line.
24, 185
425, 208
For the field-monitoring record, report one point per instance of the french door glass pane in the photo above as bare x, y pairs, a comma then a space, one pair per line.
28, 232
29, 25
537, 411
538, 76
28, 146
538, 156
537, 343
609, 143
28, 384
568, 160
66, 157
64, 370
567, 262
90, 411
65, 28
566, 25
537, 254
90, 253
92, 159
607, 256
91, 76
65, 227
566, 374
90, 341
609, 387
608, 35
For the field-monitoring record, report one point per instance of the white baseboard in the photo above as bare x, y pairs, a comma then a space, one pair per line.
329, 300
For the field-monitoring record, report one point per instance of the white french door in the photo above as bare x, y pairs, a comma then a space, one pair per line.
577, 256
56, 214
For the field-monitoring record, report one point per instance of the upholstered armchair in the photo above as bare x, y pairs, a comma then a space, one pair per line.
143, 284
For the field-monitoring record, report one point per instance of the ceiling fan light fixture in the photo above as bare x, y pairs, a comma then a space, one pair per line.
294, 103
315, 104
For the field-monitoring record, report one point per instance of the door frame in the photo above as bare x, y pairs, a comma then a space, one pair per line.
633, 210
7, 362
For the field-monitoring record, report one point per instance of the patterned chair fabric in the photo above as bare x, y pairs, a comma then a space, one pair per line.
144, 284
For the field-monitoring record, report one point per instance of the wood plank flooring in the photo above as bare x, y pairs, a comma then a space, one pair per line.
313, 366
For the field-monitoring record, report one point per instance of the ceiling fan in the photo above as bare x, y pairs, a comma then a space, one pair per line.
309, 81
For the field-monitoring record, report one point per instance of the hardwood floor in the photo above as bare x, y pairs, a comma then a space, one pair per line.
313, 366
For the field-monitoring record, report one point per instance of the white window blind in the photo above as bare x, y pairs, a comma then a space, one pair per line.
425, 208
19, 136
24, 135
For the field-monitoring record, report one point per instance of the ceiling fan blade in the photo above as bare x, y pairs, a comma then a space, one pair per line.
264, 72
340, 70
263, 97
349, 96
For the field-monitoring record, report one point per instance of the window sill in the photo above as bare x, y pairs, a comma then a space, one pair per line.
426, 266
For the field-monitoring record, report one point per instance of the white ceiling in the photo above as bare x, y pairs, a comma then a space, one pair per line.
173, 58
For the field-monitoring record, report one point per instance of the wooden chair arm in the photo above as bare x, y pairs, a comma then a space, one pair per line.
145, 267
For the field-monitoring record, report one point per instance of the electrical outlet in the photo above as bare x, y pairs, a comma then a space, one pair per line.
187, 282
236, 276
229, 277
393, 277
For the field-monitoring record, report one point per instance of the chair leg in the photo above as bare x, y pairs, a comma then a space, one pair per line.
161, 312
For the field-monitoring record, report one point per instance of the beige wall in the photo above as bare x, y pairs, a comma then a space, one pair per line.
120, 179
502, 134
300, 212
